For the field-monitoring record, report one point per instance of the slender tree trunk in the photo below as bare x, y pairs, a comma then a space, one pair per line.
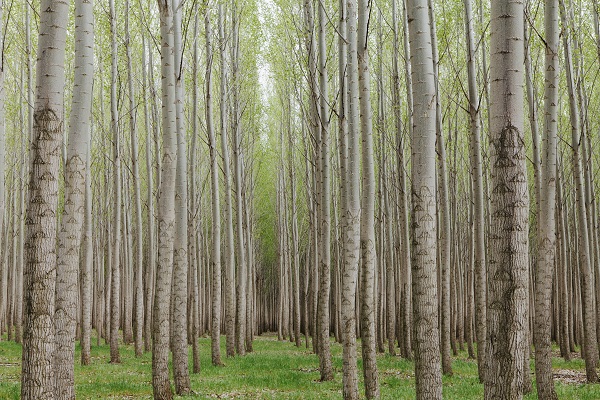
352, 219
115, 283
179, 339
443, 208
241, 278
325, 201
37, 368
166, 209
69, 236
138, 264
590, 344
368, 310
193, 212
424, 247
150, 249
215, 328
508, 283
87, 273
406, 261
478, 206
546, 212
229, 244
295, 235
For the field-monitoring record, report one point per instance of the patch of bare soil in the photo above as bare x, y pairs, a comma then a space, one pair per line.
569, 376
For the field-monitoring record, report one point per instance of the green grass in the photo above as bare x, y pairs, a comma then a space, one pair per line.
275, 370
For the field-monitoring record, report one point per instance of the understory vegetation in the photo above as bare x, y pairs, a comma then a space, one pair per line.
276, 370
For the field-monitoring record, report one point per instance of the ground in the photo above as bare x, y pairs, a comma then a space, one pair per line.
275, 370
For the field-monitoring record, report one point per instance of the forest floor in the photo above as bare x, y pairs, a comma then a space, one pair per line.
275, 370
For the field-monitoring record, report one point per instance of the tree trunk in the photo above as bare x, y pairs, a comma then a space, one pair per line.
215, 327
546, 212
229, 244
325, 201
179, 339
590, 344
479, 205
37, 373
166, 209
368, 310
150, 249
508, 282
69, 236
352, 219
115, 284
424, 246
138, 263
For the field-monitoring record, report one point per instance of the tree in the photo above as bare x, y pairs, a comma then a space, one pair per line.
424, 246
166, 208
179, 339
215, 327
546, 215
115, 282
478, 206
323, 322
69, 236
367, 215
138, 264
590, 343
508, 265
229, 244
37, 368
352, 219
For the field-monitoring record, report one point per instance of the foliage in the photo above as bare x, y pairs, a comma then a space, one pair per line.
276, 370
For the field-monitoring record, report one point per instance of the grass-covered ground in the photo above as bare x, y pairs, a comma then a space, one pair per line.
276, 370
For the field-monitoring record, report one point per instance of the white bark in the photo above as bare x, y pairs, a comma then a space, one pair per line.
69, 236
424, 246
37, 373
166, 209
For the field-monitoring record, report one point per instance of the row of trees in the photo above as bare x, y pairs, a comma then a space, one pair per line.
350, 209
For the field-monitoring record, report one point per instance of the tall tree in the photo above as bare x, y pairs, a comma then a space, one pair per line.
166, 208
229, 247
215, 327
69, 236
367, 215
546, 214
590, 344
139, 254
478, 204
424, 246
242, 274
115, 282
323, 321
37, 368
508, 267
352, 219
179, 344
